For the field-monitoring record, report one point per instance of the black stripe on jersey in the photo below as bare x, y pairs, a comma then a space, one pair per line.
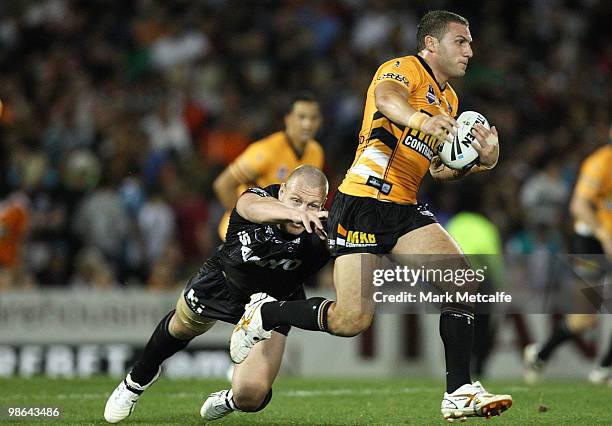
384, 136
378, 115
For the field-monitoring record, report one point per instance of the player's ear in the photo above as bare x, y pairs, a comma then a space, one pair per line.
430, 43
282, 190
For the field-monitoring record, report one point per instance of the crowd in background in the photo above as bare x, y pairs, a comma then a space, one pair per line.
117, 116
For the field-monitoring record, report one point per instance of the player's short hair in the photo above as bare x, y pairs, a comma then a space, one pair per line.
304, 96
434, 23
311, 175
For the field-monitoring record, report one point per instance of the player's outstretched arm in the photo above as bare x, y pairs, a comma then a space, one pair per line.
270, 211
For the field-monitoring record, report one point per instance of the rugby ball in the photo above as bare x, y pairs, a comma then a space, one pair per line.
460, 154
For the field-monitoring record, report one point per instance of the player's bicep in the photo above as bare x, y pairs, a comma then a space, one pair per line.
390, 88
249, 200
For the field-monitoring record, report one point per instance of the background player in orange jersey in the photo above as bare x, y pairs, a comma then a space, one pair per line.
409, 110
14, 221
591, 207
271, 159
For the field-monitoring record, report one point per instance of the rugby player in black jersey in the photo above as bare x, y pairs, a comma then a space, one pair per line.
275, 242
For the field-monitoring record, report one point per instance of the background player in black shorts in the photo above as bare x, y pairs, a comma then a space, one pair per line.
591, 207
275, 241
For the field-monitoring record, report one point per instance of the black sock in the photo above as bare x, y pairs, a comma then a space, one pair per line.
310, 314
561, 334
483, 341
607, 359
457, 332
160, 347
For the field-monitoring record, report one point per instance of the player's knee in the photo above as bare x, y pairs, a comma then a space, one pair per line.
252, 397
184, 328
178, 329
580, 322
185, 325
348, 324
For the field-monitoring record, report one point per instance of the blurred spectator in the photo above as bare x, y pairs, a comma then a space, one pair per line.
167, 131
156, 223
92, 271
128, 92
101, 221
544, 197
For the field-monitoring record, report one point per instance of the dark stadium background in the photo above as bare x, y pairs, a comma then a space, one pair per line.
118, 115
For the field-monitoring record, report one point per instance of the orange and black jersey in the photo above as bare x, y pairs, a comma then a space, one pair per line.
391, 160
270, 160
595, 184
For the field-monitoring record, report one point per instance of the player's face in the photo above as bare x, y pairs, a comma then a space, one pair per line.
454, 50
300, 195
303, 122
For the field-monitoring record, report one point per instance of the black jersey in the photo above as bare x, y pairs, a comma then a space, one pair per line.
263, 258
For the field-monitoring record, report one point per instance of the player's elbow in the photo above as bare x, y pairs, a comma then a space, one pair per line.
243, 207
578, 206
219, 186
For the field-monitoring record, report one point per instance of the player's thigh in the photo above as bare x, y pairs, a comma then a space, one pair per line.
258, 371
578, 323
434, 249
186, 324
429, 239
353, 282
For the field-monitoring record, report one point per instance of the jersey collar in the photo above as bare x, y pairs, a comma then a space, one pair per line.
430, 72
295, 151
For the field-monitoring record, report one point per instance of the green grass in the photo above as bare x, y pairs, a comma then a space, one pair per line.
302, 401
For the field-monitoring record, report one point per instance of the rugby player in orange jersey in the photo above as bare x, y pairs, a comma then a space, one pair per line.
409, 111
271, 159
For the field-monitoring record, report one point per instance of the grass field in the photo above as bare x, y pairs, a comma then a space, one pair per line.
301, 401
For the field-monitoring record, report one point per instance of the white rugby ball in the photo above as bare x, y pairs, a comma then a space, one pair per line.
460, 154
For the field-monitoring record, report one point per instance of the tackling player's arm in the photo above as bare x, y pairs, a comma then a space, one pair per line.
488, 152
269, 210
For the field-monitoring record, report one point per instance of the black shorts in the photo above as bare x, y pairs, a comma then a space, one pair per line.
208, 294
586, 245
589, 261
366, 225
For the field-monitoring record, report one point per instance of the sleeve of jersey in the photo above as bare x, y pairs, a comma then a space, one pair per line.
268, 191
402, 72
589, 180
251, 163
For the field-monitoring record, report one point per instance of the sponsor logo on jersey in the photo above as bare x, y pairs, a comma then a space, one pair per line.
282, 172
394, 76
431, 96
286, 264
419, 146
380, 184
349, 238
258, 191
